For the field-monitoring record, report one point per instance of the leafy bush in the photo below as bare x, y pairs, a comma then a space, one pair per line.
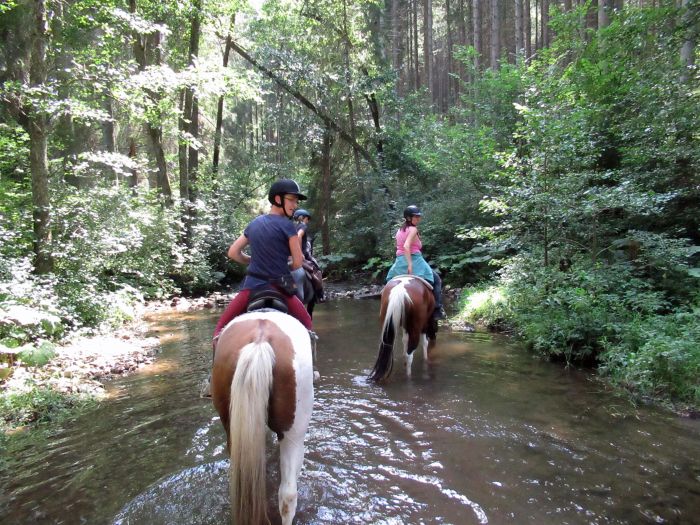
37, 355
657, 356
38, 405
486, 305
338, 266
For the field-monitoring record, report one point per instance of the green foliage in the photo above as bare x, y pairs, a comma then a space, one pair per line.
39, 404
339, 265
378, 267
658, 356
486, 305
37, 355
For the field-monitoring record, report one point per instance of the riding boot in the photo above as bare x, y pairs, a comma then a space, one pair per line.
439, 312
313, 337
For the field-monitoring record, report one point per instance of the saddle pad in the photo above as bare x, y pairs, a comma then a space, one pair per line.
406, 276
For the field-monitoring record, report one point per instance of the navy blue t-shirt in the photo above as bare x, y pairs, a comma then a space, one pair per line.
268, 236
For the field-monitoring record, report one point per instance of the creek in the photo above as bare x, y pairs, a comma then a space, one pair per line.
482, 433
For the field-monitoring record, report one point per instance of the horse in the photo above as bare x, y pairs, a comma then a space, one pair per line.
262, 377
407, 305
309, 292
310, 295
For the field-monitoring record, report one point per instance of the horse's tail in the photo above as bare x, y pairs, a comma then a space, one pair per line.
250, 392
393, 321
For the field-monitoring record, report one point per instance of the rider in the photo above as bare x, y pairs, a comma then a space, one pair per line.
409, 259
272, 238
302, 218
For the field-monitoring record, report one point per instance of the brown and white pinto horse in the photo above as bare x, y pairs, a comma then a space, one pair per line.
263, 377
407, 307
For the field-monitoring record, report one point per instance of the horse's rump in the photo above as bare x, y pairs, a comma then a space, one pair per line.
262, 377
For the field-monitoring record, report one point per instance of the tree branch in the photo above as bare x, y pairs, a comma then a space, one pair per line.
306, 102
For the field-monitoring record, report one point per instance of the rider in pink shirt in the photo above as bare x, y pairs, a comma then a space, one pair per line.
413, 263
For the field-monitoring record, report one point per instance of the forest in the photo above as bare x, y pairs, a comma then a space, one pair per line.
554, 148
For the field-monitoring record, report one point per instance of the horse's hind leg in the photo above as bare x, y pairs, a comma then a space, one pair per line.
291, 459
424, 344
407, 355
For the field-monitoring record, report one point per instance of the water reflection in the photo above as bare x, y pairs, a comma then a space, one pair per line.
482, 433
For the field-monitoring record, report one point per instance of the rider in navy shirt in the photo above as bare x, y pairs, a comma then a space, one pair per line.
272, 239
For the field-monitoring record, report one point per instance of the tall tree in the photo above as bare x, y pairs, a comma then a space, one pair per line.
477, 24
220, 103
428, 59
25, 94
690, 19
519, 29
603, 17
495, 34
154, 130
38, 128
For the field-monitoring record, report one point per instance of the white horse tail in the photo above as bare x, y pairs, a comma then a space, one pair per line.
250, 393
391, 327
396, 308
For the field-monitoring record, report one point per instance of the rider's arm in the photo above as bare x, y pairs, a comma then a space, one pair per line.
295, 249
235, 252
412, 232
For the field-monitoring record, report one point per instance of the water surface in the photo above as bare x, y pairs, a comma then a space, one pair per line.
482, 433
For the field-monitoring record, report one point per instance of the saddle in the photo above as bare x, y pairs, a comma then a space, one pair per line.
267, 298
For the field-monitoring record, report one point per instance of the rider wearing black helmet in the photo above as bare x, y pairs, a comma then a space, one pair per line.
272, 239
409, 259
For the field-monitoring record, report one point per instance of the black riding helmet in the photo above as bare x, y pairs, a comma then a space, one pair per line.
411, 211
301, 213
284, 187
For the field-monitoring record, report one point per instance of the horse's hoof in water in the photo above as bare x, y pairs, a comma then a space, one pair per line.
317, 376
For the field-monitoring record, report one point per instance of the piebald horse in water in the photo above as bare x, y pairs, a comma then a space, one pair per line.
407, 306
263, 377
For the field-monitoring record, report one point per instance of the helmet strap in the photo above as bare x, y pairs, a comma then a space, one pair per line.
284, 210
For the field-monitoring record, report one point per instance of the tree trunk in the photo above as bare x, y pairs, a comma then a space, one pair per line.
220, 104
519, 33
449, 68
477, 32
348, 82
134, 180
527, 29
428, 47
154, 132
183, 125
415, 44
395, 42
193, 151
545, 23
495, 35
38, 146
326, 190
688, 48
603, 18
462, 35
